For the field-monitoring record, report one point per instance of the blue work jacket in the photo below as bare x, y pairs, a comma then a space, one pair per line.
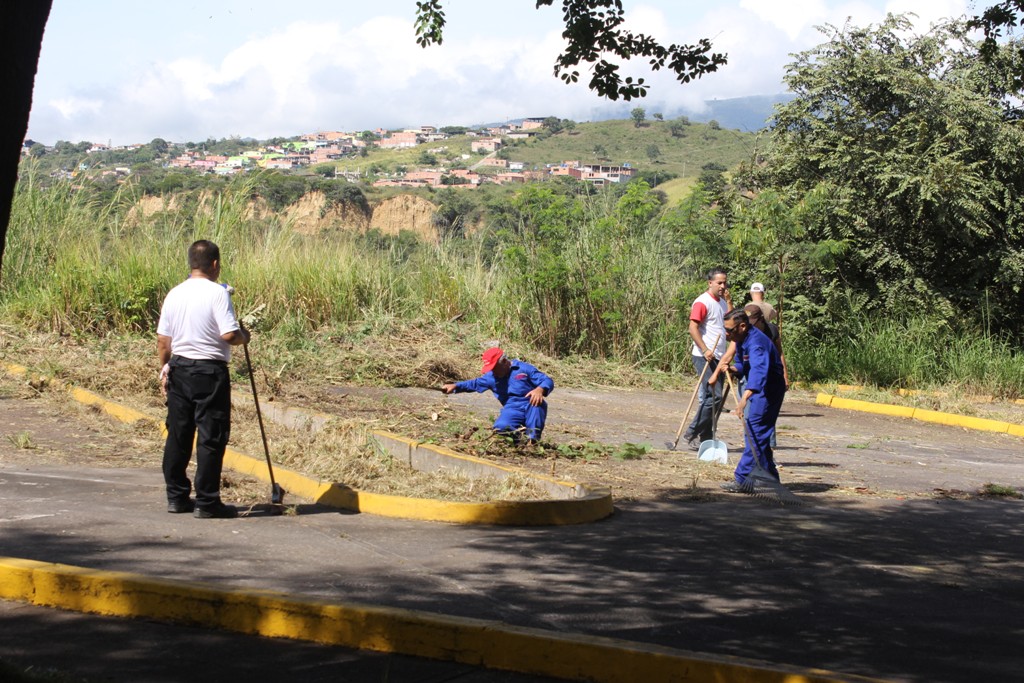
758, 360
521, 380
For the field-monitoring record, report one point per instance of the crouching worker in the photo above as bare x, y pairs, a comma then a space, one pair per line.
519, 386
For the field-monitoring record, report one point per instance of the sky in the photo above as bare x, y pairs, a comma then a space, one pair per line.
124, 71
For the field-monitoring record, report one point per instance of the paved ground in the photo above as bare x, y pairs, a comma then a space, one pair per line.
904, 588
823, 453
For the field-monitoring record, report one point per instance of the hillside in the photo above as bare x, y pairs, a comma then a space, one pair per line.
622, 142
614, 142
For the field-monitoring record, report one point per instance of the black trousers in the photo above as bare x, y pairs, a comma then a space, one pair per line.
198, 401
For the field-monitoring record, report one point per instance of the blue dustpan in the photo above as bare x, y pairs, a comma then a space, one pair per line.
713, 450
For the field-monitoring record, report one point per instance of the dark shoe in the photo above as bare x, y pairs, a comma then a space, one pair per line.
180, 506
733, 487
694, 442
218, 511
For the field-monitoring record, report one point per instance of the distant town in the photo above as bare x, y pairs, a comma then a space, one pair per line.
328, 147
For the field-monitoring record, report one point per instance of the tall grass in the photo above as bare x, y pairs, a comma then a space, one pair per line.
915, 353
604, 277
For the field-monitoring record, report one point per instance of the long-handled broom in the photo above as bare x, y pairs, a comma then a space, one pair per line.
276, 492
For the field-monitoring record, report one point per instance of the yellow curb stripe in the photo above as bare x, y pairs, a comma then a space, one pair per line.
867, 407
580, 506
115, 410
911, 392
505, 513
933, 416
489, 644
977, 423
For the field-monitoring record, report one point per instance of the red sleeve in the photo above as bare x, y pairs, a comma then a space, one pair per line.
699, 312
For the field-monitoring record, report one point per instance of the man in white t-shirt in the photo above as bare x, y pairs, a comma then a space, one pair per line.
707, 329
194, 338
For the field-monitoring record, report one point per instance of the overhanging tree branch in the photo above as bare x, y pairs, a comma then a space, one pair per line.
595, 36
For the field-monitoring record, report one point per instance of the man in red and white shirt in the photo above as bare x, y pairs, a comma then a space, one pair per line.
707, 329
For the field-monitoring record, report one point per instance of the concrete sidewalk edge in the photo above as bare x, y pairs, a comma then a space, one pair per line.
576, 504
489, 644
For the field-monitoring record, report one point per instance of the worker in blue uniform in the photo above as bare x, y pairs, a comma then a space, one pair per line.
756, 360
518, 386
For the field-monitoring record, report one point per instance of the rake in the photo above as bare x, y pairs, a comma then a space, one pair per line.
671, 445
763, 485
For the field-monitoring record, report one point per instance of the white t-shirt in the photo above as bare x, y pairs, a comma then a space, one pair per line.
195, 314
709, 313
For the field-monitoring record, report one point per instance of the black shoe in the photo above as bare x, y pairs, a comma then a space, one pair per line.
180, 506
218, 511
734, 487
694, 442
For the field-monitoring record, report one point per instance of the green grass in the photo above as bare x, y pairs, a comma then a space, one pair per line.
677, 189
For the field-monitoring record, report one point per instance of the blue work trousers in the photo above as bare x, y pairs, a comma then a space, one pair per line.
759, 427
741, 386
518, 413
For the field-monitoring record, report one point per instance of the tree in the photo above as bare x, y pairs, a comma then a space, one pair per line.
594, 31
158, 145
600, 152
325, 170
638, 115
569, 126
426, 159
658, 116
904, 141
653, 152
997, 20
678, 128
553, 124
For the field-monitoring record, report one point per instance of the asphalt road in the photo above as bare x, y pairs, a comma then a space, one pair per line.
904, 589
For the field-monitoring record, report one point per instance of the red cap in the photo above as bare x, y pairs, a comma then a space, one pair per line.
491, 358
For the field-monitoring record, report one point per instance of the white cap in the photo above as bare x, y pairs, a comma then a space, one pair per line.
757, 287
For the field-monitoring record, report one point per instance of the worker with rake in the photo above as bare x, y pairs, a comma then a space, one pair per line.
518, 386
757, 360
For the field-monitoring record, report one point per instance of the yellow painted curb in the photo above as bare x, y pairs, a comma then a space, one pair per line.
478, 642
911, 392
867, 407
978, 423
596, 504
575, 504
934, 416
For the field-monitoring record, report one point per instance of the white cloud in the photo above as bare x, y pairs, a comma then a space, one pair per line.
348, 74
70, 107
791, 17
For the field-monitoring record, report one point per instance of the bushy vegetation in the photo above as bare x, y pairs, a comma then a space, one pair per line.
569, 273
